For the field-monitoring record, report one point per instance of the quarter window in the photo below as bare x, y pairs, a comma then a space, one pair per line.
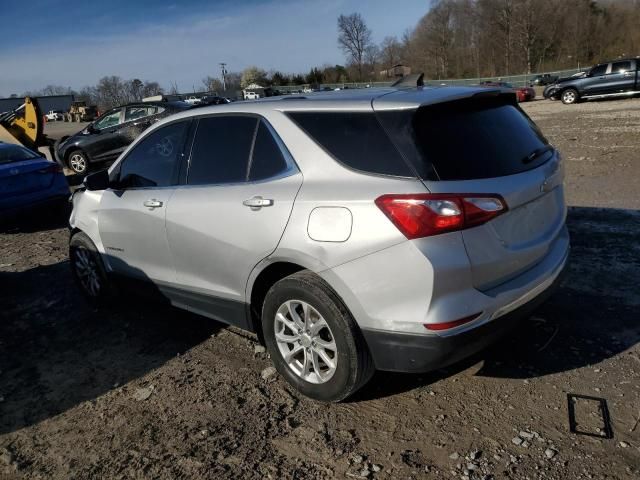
155, 161
356, 139
221, 149
267, 160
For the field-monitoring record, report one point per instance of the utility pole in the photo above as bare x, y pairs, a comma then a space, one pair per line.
224, 76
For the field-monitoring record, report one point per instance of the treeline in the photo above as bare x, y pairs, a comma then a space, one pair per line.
454, 39
109, 91
470, 38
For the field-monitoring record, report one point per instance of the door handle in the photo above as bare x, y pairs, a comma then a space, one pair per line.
153, 203
257, 203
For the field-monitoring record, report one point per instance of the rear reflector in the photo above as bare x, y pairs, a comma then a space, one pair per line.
426, 214
449, 325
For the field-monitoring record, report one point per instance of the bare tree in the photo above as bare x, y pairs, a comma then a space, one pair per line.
354, 37
390, 52
212, 84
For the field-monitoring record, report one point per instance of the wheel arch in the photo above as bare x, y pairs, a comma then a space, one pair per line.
568, 87
262, 280
72, 149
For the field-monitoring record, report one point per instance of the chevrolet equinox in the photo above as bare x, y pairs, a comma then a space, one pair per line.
392, 229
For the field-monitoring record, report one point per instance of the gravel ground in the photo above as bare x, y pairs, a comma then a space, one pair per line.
137, 391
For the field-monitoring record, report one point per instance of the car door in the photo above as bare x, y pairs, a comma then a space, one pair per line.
596, 81
621, 78
231, 212
131, 218
104, 144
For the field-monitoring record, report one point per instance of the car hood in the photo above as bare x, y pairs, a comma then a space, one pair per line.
569, 79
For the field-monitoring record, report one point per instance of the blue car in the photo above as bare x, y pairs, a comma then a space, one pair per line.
27, 180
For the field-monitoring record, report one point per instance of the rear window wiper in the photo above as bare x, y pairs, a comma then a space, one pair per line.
537, 153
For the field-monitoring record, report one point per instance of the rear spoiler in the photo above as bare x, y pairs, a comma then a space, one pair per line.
413, 80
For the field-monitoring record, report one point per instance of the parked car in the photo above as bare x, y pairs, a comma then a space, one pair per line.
214, 100
106, 138
551, 86
544, 79
619, 78
54, 115
193, 100
524, 94
385, 229
28, 181
251, 95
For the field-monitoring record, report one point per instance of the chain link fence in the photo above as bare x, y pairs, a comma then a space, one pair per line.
515, 80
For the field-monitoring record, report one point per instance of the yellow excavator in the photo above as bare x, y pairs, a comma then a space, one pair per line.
25, 126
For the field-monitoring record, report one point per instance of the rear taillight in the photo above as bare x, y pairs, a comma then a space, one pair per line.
426, 214
53, 168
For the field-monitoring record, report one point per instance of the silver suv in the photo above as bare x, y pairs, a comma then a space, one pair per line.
393, 229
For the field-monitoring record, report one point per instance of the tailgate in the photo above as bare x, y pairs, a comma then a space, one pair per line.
484, 144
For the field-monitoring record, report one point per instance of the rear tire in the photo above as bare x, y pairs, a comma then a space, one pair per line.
570, 96
88, 270
330, 334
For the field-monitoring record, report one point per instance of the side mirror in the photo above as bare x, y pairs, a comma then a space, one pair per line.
97, 181
92, 129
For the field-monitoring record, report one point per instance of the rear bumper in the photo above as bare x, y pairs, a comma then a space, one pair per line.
57, 193
407, 352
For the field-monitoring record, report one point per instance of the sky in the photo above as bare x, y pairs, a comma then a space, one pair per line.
75, 42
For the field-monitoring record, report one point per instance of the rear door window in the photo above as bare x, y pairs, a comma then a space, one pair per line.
138, 111
468, 139
221, 149
620, 67
355, 139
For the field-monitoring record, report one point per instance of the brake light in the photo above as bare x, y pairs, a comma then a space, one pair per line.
427, 214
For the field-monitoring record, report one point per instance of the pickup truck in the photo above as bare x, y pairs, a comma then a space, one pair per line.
54, 115
619, 78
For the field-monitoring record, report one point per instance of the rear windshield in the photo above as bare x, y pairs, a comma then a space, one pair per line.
355, 139
467, 139
15, 153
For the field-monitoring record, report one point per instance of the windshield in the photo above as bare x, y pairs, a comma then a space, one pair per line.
15, 153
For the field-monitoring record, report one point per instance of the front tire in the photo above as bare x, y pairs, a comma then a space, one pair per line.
313, 340
88, 269
570, 96
78, 162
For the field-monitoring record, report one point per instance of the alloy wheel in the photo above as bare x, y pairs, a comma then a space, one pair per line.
569, 97
87, 271
306, 341
78, 163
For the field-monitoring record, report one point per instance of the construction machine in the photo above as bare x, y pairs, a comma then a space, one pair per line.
25, 126
81, 112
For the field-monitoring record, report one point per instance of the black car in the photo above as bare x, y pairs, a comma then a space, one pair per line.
618, 78
214, 100
544, 79
106, 138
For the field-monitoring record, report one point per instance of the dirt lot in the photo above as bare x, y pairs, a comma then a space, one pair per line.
143, 392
